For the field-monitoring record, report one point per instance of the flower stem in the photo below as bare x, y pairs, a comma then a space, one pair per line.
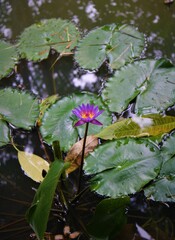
82, 158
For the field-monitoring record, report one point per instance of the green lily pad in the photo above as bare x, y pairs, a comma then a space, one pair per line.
37, 40
152, 82
162, 188
4, 133
160, 91
168, 149
8, 58
18, 108
122, 167
118, 44
58, 122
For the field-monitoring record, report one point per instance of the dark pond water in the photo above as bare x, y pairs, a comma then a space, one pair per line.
155, 19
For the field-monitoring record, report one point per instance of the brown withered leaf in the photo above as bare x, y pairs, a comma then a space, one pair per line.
74, 155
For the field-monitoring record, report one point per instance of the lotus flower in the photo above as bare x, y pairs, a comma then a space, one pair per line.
87, 114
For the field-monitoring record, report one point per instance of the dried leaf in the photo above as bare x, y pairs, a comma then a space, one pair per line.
147, 125
33, 165
74, 155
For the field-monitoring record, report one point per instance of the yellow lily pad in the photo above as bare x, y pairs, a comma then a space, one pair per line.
34, 166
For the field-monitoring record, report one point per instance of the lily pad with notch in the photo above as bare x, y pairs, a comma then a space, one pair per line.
119, 44
8, 59
37, 40
150, 82
123, 167
58, 122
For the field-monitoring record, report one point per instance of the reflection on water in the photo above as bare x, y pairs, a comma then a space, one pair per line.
14, 198
35, 5
86, 79
64, 78
91, 12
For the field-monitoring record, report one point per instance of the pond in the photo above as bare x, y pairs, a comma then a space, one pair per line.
156, 20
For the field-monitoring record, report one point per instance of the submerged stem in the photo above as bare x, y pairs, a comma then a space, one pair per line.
82, 158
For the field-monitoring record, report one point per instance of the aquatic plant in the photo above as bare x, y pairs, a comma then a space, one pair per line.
132, 155
87, 114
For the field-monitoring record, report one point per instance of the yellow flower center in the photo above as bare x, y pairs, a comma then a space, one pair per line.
87, 114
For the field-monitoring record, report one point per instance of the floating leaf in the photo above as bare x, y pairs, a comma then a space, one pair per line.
168, 149
75, 153
126, 44
159, 92
147, 125
118, 44
33, 165
4, 133
152, 82
8, 58
18, 108
119, 170
91, 51
109, 217
58, 121
37, 40
38, 213
162, 188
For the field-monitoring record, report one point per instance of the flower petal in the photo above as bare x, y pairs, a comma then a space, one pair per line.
79, 123
96, 109
76, 112
96, 122
100, 112
87, 113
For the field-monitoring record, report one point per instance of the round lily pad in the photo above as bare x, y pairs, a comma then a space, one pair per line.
37, 40
58, 122
8, 58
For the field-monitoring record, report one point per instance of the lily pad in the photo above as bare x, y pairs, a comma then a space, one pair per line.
119, 44
58, 122
18, 108
162, 188
37, 40
122, 167
8, 58
4, 133
168, 149
33, 165
151, 81
159, 93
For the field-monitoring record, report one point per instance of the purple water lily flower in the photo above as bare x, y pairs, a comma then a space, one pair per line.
87, 114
